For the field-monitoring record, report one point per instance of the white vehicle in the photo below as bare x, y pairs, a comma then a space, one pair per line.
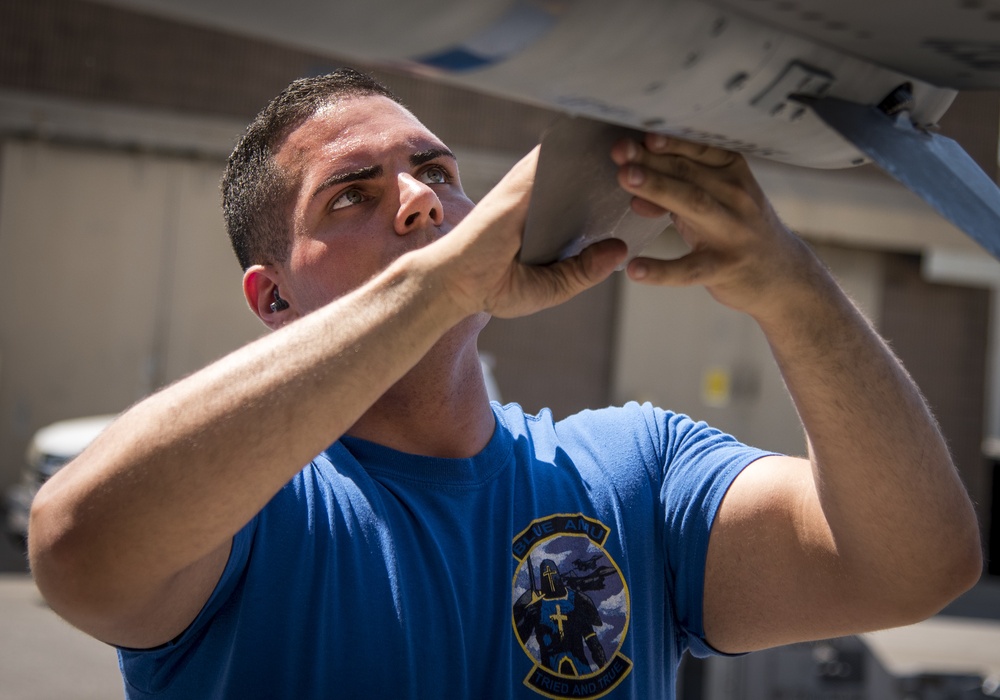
50, 448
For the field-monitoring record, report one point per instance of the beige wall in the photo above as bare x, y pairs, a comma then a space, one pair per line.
118, 279
673, 341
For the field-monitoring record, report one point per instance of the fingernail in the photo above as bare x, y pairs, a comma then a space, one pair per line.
657, 141
631, 150
635, 176
638, 269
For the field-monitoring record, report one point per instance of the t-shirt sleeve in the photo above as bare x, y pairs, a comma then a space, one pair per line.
147, 669
699, 465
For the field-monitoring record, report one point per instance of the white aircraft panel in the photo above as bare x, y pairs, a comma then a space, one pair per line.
951, 43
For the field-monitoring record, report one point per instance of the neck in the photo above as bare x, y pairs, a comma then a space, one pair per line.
440, 408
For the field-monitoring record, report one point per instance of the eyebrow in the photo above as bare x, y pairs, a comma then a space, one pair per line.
372, 172
421, 157
367, 173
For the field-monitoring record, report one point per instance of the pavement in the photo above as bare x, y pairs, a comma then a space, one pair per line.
942, 644
41, 656
44, 658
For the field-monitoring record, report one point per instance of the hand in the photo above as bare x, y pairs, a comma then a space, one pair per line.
740, 250
485, 274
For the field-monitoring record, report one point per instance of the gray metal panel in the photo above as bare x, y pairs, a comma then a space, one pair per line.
952, 43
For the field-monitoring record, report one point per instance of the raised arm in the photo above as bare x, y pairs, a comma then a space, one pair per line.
875, 528
128, 541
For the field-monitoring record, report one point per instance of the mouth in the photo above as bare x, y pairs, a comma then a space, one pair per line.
421, 238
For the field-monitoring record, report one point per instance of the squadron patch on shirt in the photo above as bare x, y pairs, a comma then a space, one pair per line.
570, 607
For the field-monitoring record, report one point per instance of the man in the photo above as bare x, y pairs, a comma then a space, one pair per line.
190, 535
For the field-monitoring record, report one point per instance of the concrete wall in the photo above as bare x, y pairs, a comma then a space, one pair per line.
681, 349
119, 279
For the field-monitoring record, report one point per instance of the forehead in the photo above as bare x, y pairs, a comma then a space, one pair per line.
356, 131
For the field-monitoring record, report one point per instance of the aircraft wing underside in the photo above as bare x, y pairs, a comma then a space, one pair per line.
950, 43
819, 83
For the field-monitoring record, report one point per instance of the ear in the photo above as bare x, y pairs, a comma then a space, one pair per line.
259, 285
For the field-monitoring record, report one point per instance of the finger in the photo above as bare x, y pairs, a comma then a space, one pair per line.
506, 203
692, 269
727, 185
625, 151
513, 187
521, 178
668, 192
661, 144
648, 210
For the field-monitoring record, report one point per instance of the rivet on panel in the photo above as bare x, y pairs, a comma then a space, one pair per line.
737, 81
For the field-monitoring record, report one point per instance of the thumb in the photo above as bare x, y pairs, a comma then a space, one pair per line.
597, 261
591, 266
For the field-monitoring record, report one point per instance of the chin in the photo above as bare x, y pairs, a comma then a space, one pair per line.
469, 327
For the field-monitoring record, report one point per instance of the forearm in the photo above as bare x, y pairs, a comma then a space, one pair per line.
897, 512
182, 471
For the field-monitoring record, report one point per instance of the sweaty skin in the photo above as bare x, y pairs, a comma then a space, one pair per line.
390, 275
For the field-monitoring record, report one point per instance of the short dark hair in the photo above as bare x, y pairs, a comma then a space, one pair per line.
254, 189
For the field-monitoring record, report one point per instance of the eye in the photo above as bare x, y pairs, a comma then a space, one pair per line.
348, 198
435, 175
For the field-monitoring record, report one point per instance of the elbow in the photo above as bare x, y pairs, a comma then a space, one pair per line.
942, 576
961, 558
50, 551
965, 566
67, 568
60, 563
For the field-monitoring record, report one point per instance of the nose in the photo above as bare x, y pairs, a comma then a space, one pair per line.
418, 205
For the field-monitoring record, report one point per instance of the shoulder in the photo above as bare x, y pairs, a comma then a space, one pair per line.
631, 427
619, 444
632, 416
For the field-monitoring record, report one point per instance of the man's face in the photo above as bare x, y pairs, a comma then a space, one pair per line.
372, 184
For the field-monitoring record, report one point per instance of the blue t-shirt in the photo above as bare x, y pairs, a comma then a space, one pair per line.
565, 560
